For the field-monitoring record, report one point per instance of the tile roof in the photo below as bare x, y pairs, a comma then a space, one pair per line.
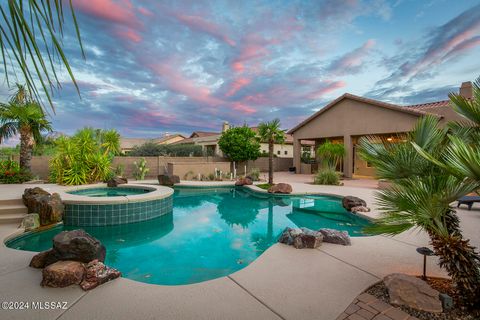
430, 105
203, 134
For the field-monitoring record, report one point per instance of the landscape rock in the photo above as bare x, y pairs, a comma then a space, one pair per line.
284, 188
335, 236
116, 181
40, 260
412, 292
289, 234
447, 301
98, 273
30, 222
350, 202
247, 181
168, 179
301, 238
360, 209
78, 245
48, 206
63, 274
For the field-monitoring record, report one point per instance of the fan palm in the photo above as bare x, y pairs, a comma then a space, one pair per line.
30, 42
25, 117
271, 133
420, 197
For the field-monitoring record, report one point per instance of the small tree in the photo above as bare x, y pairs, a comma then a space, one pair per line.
271, 133
239, 144
330, 154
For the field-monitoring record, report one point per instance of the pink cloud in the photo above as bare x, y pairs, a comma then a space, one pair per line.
462, 47
120, 12
200, 24
326, 88
237, 85
130, 34
145, 11
238, 106
353, 59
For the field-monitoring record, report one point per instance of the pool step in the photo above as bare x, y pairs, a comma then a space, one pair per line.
12, 211
9, 202
11, 218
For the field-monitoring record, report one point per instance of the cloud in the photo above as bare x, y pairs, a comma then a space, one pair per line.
120, 12
197, 23
351, 62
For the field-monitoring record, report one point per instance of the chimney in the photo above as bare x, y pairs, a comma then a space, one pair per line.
466, 90
225, 126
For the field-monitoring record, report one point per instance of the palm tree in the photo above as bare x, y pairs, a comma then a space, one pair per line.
271, 133
25, 117
420, 197
30, 42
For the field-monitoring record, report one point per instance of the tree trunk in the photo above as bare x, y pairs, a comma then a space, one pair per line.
270, 162
460, 260
26, 148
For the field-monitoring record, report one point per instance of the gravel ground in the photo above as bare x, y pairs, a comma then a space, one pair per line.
443, 285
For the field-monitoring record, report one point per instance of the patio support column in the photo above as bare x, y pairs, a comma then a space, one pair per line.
348, 160
297, 153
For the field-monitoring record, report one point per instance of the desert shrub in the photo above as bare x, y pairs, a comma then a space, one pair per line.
10, 173
327, 176
255, 174
141, 169
151, 149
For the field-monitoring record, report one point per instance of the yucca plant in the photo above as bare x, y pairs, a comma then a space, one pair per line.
420, 196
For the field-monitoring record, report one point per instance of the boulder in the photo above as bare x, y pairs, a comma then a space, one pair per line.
280, 188
247, 181
360, 209
115, 181
288, 235
168, 179
30, 222
40, 260
77, 245
63, 274
405, 290
48, 206
96, 274
335, 236
301, 238
349, 202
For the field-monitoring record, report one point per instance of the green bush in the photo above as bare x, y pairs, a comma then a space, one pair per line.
255, 174
327, 177
151, 149
10, 173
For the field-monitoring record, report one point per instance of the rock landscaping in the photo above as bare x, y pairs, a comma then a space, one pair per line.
354, 204
247, 181
75, 258
168, 179
116, 181
305, 238
284, 188
446, 295
30, 222
49, 207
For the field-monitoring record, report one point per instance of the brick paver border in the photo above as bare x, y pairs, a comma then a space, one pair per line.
368, 307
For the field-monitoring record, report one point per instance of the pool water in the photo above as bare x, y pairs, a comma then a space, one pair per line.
109, 192
212, 232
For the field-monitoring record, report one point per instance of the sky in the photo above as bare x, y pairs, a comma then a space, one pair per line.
154, 67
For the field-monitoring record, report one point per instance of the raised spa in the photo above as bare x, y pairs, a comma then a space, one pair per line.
104, 206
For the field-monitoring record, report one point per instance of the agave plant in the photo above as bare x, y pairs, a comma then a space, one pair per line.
420, 197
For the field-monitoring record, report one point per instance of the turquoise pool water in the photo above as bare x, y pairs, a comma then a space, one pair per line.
109, 192
210, 233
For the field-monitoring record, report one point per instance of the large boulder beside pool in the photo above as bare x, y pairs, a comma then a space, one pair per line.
78, 245
284, 188
247, 181
63, 274
410, 291
335, 236
350, 202
168, 179
48, 206
96, 274
301, 238
116, 181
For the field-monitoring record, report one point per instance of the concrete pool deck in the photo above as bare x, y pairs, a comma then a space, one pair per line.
283, 283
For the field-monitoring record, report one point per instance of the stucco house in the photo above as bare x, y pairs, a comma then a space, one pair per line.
350, 117
127, 144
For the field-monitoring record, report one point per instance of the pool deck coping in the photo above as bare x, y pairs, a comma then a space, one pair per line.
283, 283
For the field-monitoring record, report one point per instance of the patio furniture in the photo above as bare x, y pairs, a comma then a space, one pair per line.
468, 200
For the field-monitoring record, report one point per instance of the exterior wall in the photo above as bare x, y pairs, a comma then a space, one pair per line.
279, 164
181, 169
280, 150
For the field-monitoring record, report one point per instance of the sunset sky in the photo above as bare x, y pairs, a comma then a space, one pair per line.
178, 66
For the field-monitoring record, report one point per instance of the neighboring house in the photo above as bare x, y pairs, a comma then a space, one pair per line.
209, 143
349, 117
127, 144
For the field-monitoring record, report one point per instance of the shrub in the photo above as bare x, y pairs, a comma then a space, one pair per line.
330, 154
239, 144
151, 149
327, 176
141, 169
10, 173
255, 174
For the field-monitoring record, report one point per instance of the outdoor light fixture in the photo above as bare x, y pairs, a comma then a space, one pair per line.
389, 139
425, 252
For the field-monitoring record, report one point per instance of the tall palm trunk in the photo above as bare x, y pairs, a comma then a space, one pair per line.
270, 162
26, 148
460, 260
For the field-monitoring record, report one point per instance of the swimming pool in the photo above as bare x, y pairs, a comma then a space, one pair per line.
211, 232
110, 192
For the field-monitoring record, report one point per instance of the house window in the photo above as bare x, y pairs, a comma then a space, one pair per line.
286, 152
278, 152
